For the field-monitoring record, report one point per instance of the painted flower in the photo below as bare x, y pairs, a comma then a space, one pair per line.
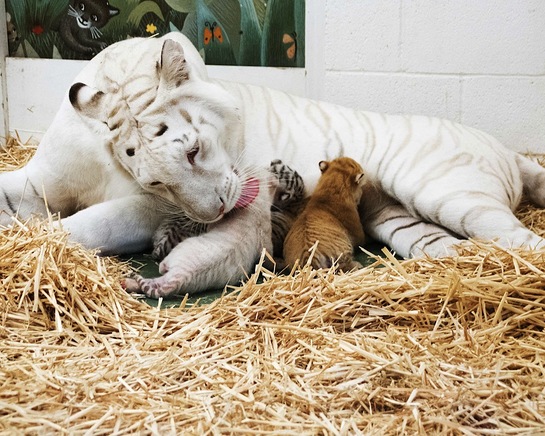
37, 29
151, 28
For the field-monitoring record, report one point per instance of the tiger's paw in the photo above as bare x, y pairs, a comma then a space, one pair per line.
152, 288
130, 284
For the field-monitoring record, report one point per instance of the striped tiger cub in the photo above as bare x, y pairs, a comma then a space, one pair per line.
330, 219
287, 201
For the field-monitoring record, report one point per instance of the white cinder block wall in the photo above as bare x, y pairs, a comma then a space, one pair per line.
478, 62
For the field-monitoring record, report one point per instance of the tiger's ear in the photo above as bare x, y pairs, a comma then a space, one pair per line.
324, 165
174, 69
360, 179
88, 101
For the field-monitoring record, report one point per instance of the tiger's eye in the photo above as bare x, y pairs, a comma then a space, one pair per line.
162, 130
130, 152
155, 183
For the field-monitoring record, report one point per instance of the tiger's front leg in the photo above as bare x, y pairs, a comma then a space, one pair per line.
22, 196
221, 256
119, 226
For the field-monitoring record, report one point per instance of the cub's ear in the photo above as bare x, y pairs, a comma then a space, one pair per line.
174, 70
324, 165
360, 179
88, 101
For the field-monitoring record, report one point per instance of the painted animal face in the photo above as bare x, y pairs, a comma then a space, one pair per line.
184, 146
91, 13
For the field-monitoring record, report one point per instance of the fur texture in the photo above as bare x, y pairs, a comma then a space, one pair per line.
330, 219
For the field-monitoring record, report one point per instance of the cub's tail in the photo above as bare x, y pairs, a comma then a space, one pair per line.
533, 179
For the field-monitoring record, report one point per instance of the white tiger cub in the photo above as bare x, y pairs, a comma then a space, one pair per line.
188, 141
286, 191
236, 236
287, 202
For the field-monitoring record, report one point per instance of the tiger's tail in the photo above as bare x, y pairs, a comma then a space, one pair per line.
533, 179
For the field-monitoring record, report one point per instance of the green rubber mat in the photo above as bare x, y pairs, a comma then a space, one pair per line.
148, 267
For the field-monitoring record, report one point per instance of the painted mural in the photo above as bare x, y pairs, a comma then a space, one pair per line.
226, 32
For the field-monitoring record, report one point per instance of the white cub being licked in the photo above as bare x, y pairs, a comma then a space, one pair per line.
226, 237
143, 130
176, 239
177, 233
287, 201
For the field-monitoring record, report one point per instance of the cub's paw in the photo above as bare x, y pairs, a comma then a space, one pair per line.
151, 288
132, 284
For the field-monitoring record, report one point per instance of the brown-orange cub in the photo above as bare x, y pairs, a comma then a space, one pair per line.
331, 218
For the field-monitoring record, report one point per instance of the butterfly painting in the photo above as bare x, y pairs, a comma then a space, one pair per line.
290, 39
212, 32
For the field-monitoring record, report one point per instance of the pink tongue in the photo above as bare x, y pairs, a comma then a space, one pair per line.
250, 189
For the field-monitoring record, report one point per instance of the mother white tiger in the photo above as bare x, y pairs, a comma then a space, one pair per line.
143, 127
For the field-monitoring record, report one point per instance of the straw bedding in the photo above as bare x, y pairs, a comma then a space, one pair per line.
450, 346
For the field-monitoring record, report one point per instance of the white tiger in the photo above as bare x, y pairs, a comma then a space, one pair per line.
188, 141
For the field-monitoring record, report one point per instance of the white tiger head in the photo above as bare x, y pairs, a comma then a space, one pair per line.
184, 145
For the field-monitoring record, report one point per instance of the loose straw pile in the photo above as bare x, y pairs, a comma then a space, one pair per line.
449, 346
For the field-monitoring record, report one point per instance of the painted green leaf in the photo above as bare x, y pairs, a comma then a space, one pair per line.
172, 27
27, 14
142, 9
299, 17
55, 10
250, 35
189, 29
184, 5
260, 7
28, 50
56, 54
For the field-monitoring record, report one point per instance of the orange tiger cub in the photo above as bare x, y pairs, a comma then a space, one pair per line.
331, 218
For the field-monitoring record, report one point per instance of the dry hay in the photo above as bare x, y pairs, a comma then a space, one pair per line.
450, 346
